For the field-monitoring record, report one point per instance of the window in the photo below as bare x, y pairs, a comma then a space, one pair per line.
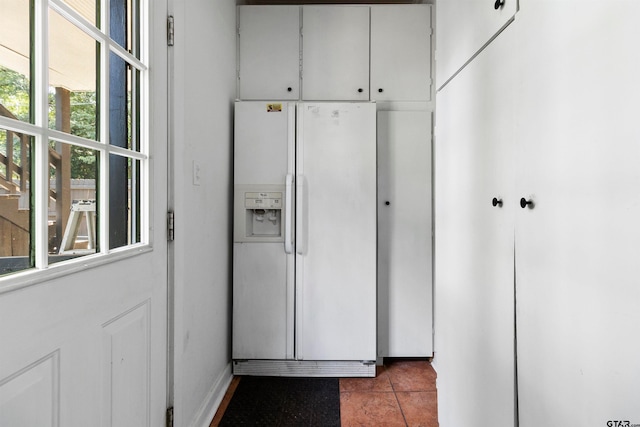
73, 156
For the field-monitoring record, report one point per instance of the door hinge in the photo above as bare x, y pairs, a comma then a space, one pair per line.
170, 416
170, 226
170, 31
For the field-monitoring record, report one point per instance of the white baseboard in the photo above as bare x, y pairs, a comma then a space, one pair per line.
214, 397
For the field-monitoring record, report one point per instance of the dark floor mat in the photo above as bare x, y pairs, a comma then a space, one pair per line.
277, 401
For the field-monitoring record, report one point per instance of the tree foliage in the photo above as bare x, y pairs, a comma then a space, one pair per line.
15, 97
14, 93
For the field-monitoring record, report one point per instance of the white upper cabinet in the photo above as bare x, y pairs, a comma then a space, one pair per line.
269, 61
335, 46
401, 53
465, 26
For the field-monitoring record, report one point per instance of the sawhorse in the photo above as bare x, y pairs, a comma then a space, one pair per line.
79, 209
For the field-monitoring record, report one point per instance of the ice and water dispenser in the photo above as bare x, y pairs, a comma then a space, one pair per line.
263, 214
259, 214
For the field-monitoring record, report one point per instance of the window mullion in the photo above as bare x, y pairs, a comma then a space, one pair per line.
41, 151
144, 141
142, 32
103, 187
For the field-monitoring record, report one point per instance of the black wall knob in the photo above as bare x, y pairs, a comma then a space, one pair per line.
380, 90
496, 202
360, 90
498, 4
387, 203
289, 89
524, 203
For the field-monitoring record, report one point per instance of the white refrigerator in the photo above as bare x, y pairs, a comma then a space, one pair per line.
304, 250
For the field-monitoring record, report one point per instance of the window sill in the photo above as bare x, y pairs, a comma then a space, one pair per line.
23, 279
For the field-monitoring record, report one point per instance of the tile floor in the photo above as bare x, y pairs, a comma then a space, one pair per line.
402, 394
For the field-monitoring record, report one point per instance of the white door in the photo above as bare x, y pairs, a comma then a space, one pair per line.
401, 52
474, 248
404, 234
86, 345
578, 247
269, 61
336, 232
335, 53
463, 27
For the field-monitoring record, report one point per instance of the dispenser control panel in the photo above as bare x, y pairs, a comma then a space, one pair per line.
268, 200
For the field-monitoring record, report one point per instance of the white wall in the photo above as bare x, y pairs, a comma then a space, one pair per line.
204, 90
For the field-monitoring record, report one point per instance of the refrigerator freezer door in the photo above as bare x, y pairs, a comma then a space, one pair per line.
336, 263
263, 273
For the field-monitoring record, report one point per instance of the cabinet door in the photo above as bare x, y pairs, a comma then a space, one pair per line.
463, 27
474, 288
404, 234
335, 53
578, 249
269, 39
401, 53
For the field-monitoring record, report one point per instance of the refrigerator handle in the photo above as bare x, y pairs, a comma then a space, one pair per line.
288, 214
300, 215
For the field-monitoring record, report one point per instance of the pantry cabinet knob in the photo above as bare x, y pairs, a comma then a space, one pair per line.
387, 203
380, 90
498, 4
289, 89
360, 90
496, 202
524, 203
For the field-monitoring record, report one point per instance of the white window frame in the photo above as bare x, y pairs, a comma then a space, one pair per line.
42, 134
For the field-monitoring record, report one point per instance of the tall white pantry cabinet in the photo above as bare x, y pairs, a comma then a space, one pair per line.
366, 53
537, 205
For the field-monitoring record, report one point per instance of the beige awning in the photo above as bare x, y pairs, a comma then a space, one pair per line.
72, 53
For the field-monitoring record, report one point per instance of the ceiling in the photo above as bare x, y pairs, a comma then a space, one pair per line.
72, 53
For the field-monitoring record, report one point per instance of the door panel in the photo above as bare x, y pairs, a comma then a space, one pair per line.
336, 238
404, 234
578, 248
125, 363
474, 249
35, 387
